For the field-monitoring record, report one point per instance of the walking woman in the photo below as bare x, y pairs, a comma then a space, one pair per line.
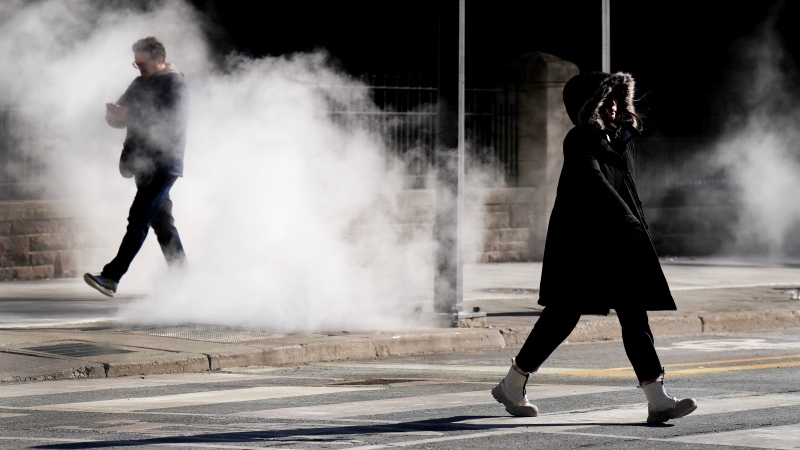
597, 237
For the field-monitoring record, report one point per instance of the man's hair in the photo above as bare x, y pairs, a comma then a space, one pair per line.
150, 45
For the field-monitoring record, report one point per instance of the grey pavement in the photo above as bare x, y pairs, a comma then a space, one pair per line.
61, 329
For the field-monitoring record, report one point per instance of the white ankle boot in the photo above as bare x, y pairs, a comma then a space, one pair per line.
662, 407
511, 393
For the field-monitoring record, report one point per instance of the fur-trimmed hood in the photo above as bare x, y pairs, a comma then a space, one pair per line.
585, 96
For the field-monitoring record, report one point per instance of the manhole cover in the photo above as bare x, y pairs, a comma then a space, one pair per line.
207, 333
78, 350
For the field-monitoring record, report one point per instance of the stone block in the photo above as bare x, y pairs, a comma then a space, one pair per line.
43, 258
5, 228
45, 242
12, 211
491, 240
33, 273
40, 226
508, 196
520, 247
68, 264
71, 225
498, 257
14, 251
41, 210
514, 235
521, 215
496, 220
6, 274
495, 208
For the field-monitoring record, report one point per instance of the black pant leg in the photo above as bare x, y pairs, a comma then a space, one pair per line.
168, 238
639, 343
150, 195
552, 328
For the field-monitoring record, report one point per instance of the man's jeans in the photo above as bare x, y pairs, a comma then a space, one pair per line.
151, 207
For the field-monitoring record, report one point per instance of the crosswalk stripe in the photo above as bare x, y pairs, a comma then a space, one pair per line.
638, 412
404, 404
71, 386
778, 437
124, 405
565, 421
562, 422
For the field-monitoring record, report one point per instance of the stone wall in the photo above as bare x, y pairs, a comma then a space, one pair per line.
509, 217
38, 241
503, 222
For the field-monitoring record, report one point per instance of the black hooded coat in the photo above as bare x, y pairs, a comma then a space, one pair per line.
598, 251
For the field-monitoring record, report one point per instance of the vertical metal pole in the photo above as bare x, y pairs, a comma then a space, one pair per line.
461, 163
606, 35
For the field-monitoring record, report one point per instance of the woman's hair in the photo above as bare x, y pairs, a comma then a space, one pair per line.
626, 111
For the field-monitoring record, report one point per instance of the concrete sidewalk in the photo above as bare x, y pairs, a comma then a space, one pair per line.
59, 329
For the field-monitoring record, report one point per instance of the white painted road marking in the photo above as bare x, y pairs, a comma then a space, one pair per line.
718, 345
563, 422
404, 404
99, 384
637, 413
779, 437
125, 405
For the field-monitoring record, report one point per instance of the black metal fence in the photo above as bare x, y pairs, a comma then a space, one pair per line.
491, 124
403, 113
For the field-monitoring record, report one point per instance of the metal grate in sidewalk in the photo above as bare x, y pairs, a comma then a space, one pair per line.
77, 350
206, 333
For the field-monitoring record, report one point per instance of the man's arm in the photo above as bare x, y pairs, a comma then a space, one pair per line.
116, 115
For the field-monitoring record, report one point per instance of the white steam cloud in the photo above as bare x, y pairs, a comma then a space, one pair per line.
760, 148
289, 221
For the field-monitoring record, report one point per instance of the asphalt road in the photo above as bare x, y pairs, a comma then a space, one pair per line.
745, 385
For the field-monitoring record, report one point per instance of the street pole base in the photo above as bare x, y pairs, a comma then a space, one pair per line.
462, 320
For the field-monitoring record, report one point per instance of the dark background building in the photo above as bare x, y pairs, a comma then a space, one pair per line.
701, 67
683, 54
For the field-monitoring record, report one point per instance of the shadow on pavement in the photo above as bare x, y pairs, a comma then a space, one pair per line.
331, 434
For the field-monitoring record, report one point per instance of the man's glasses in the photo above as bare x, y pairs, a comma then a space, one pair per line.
138, 66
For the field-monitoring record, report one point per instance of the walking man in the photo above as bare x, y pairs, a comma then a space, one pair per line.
154, 110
